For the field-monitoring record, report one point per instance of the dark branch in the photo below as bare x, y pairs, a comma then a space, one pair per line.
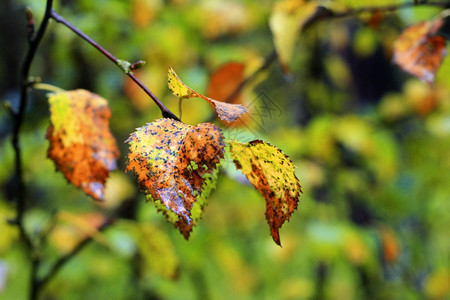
390, 8
61, 262
18, 118
324, 14
164, 110
34, 41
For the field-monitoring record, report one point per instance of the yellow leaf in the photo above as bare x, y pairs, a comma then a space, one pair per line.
286, 23
437, 284
272, 173
226, 111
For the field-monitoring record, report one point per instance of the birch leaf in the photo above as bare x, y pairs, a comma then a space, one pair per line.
272, 173
226, 111
420, 51
286, 23
81, 144
176, 164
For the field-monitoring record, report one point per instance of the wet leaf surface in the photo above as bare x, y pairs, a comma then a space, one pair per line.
175, 164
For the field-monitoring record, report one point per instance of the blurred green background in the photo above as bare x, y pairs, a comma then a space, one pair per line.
371, 145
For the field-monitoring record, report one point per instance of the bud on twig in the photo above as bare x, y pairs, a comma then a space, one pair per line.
30, 23
137, 65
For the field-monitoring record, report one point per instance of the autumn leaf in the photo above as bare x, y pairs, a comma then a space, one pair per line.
225, 85
391, 248
225, 80
419, 51
176, 165
272, 173
145, 11
226, 111
81, 144
286, 23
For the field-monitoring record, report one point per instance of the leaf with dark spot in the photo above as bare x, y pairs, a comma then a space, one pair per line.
272, 173
176, 165
420, 51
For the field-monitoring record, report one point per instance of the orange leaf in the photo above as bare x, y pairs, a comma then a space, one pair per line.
391, 248
175, 164
226, 111
272, 173
419, 51
223, 84
225, 80
81, 144
145, 11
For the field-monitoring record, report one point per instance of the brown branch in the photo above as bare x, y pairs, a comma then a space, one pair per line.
125, 66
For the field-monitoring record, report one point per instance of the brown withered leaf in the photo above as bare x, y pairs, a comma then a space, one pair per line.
176, 165
224, 84
226, 111
272, 173
81, 144
419, 51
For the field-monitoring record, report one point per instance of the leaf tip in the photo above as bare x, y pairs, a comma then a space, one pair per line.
276, 237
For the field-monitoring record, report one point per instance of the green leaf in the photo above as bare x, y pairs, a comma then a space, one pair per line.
154, 247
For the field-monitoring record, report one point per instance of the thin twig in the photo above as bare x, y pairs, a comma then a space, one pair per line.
324, 14
164, 110
391, 8
34, 41
18, 117
62, 261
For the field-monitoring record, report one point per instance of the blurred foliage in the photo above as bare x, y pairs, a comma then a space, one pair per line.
370, 144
